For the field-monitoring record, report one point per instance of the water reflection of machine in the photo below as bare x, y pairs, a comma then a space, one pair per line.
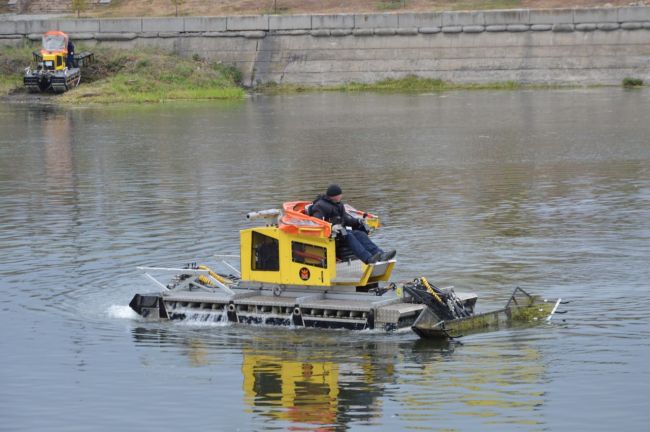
56, 128
313, 391
297, 391
304, 383
316, 391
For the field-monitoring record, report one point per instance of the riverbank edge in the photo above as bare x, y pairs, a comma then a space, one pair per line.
11, 89
408, 84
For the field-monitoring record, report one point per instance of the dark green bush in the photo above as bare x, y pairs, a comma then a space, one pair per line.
632, 82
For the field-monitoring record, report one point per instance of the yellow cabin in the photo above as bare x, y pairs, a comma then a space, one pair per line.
300, 250
54, 53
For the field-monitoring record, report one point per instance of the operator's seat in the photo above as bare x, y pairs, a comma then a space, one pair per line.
343, 252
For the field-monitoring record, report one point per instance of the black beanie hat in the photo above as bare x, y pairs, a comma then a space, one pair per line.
334, 190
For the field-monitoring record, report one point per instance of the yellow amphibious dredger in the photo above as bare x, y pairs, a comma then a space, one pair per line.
295, 272
57, 70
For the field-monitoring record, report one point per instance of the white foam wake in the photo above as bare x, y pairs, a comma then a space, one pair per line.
121, 312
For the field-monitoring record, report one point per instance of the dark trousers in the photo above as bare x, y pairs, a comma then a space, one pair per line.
361, 245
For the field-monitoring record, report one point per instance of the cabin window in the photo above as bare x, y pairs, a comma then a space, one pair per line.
59, 60
304, 253
265, 254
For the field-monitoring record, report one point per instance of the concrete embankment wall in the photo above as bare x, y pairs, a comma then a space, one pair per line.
558, 46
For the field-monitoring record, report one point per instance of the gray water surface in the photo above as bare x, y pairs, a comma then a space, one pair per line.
485, 191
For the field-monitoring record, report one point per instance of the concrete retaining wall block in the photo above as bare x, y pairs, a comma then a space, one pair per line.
340, 32
515, 16
82, 36
496, 28
332, 21
634, 14
375, 21
128, 25
516, 28
419, 20
21, 28
215, 34
236, 23
473, 29
79, 26
586, 27
385, 31
253, 34
320, 33
551, 16
291, 22
204, 24
608, 26
8, 27
563, 28
403, 31
452, 29
632, 26
362, 32
451, 19
595, 15
191, 34
115, 36
165, 25
39, 26
541, 27
290, 32
430, 30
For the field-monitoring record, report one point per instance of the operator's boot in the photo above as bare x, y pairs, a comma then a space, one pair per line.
373, 259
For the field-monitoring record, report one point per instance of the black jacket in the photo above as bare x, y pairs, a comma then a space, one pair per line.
324, 208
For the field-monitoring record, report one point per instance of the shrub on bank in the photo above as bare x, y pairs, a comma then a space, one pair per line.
632, 82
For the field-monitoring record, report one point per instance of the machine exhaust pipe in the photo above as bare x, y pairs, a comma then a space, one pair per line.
270, 213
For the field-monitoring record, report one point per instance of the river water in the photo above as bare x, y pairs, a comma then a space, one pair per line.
485, 191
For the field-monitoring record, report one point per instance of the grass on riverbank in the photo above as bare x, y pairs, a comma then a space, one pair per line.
12, 63
409, 83
120, 76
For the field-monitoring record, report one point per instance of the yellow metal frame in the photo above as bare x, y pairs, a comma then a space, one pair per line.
367, 278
